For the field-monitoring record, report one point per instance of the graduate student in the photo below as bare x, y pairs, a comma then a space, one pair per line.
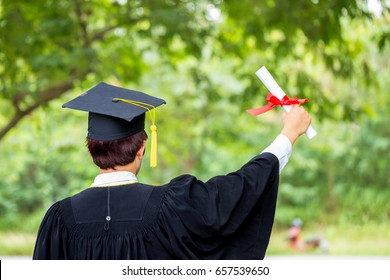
117, 217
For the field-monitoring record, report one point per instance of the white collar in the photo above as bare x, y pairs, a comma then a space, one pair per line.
116, 178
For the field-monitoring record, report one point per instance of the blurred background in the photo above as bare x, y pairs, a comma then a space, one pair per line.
201, 57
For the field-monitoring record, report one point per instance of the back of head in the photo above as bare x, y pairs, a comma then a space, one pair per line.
108, 154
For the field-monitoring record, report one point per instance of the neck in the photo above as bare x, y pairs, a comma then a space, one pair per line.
129, 167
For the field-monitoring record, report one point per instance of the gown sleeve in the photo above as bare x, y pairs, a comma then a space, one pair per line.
49, 238
228, 216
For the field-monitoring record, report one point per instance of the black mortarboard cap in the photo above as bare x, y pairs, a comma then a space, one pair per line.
114, 112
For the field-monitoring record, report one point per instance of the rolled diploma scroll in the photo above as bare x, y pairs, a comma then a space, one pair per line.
275, 89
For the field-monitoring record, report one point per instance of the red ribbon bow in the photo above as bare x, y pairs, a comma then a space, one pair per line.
274, 101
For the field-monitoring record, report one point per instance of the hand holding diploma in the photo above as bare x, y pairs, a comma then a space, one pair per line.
295, 122
277, 97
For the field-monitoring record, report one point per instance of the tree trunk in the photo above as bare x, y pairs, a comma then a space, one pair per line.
45, 96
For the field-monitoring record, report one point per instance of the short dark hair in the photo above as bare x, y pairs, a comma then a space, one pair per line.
108, 154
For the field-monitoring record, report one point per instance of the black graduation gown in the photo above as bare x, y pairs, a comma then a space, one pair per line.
227, 217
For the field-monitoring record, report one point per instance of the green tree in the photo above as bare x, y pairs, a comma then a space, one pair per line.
48, 48
201, 57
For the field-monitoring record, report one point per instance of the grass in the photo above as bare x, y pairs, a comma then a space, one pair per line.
367, 239
16, 243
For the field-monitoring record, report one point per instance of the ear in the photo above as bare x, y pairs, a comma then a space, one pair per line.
141, 150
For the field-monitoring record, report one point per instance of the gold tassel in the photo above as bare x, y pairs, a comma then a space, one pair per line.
153, 149
153, 128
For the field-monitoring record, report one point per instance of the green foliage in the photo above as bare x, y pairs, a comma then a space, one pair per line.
34, 170
333, 52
